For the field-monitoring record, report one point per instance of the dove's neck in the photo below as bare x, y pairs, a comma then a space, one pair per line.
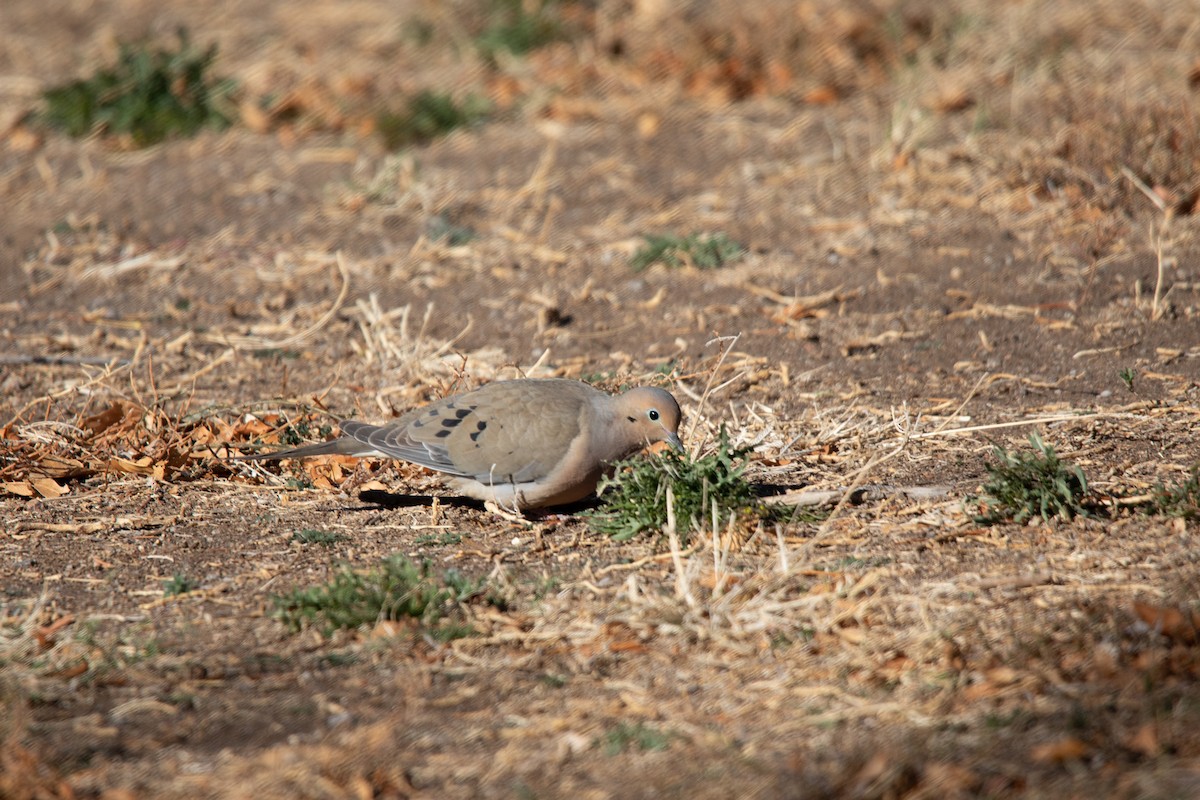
609, 433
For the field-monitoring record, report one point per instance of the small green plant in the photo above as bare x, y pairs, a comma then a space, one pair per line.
293, 435
1037, 483
275, 353
441, 229
635, 497
149, 95
428, 116
394, 590
449, 631
419, 31
338, 659
519, 27
179, 584
624, 736
1000, 720
704, 251
115, 649
1127, 376
1180, 499
546, 585
461, 587
313, 536
443, 539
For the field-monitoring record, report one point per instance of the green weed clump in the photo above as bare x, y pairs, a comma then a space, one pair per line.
428, 116
148, 96
179, 584
1029, 484
638, 736
395, 590
634, 498
519, 27
1181, 499
704, 251
313, 536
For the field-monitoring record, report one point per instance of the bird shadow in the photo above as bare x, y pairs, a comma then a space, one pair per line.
768, 490
392, 500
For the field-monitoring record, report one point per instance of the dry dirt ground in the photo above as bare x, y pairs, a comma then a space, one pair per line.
964, 222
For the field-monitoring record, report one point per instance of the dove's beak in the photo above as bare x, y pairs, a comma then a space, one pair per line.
673, 440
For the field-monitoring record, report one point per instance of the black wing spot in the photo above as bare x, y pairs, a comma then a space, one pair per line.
463, 413
442, 434
480, 427
451, 423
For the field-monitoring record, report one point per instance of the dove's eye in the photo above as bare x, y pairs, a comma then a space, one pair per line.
652, 414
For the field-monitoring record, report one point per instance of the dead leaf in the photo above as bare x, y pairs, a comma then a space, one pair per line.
254, 117
854, 635
73, 671
202, 435
388, 629
23, 139
724, 582
45, 634
98, 423
822, 95
251, 428
873, 769
953, 656
1002, 676
949, 98
981, 691
1170, 622
60, 467
23, 488
648, 125
1144, 741
795, 312
139, 467
897, 664
952, 780
119, 418
48, 487
1063, 750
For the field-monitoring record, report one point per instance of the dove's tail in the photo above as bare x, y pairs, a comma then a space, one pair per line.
343, 446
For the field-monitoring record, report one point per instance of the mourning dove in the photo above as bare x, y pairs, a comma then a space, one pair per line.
519, 444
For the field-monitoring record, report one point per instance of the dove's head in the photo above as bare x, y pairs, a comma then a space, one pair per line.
651, 415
